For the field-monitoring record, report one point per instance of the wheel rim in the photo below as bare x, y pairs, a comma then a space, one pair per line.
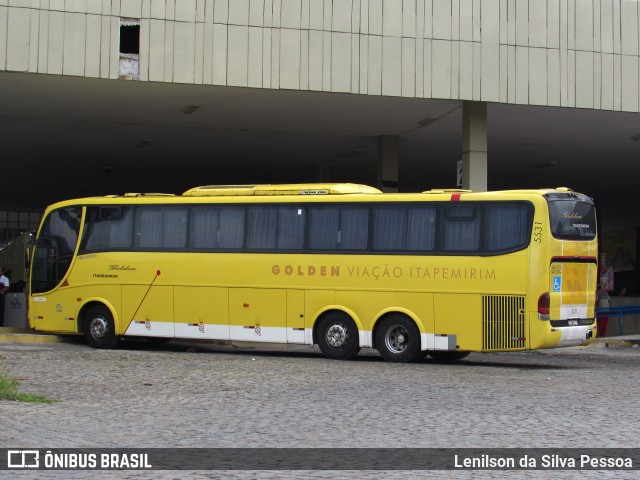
337, 335
99, 327
396, 339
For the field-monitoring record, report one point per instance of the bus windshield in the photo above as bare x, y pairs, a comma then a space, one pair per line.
55, 248
572, 219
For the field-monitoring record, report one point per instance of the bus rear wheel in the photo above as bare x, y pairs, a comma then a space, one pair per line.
338, 337
398, 339
99, 328
445, 356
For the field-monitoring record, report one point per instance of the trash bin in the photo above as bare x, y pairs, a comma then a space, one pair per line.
15, 310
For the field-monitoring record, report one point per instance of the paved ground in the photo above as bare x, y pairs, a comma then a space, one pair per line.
181, 395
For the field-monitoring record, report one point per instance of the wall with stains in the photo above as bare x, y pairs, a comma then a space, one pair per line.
573, 53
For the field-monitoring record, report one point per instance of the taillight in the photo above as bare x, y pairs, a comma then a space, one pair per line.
544, 302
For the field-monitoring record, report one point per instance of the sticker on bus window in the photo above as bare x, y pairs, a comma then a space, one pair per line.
557, 284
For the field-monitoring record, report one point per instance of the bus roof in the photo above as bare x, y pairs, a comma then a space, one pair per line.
349, 192
282, 189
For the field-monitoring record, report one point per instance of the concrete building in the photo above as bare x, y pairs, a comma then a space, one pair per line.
107, 96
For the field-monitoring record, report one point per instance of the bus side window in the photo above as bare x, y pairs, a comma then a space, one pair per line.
506, 226
389, 227
107, 228
421, 228
160, 227
231, 232
354, 228
205, 228
324, 228
262, 226
214, 227
291, 221
461, 228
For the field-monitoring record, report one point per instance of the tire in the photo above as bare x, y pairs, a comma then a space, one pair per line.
445, 356
398, 339
338, 337
99, 328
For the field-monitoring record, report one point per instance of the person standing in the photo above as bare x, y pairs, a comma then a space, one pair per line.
4, 287
605, 285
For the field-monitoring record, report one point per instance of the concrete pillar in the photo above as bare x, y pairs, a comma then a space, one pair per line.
388, 163
474, 146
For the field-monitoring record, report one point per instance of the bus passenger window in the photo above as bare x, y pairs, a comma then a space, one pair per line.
291, 227
421, 231
506, 226
262, 227
354, 228
161, 227
389, 228
461, 228
324, 225
231, 233
205, 223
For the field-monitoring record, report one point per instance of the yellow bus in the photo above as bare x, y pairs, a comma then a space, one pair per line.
341, 266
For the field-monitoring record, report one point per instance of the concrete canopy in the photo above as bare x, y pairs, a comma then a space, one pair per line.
64, 137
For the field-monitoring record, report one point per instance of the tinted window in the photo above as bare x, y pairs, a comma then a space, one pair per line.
108, 228
160, 227
343, 227
572, 219
217, 227
389, 228
354, 228
461, 228
324, 228
290, 227
506, 226
231, 233
404, 227
55, 248
262, 227
421, 228
205, 227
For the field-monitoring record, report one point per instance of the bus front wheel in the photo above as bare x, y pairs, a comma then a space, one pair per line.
398, 339
99, 328
338, 336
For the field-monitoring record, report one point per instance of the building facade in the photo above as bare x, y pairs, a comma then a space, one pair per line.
566, 53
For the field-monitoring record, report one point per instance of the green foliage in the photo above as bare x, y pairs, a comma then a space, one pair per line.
8, 386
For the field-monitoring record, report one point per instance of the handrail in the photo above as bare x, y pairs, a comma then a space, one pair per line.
618, 311
622, 311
